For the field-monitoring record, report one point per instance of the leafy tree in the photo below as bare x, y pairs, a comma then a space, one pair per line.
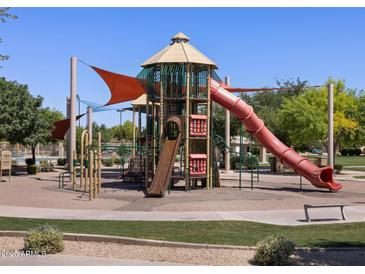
4, 16
304, 117
124, 132
22, 119
267, 104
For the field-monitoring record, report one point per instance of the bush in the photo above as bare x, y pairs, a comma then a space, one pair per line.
107, 162
117, 161
32, 169
61, 161
350, 152
30, 161
273, 250
338, 168
45, 238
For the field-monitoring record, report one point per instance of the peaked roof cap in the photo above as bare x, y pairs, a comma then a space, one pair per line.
179, 51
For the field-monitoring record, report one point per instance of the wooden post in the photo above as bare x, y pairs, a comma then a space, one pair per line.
91, 156
99, 161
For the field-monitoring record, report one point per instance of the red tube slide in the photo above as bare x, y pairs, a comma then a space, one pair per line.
319, 177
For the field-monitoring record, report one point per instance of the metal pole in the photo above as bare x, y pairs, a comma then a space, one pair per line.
73, 85
67, 137
330, 125
227, 155
90, 124
134, 132
241, 157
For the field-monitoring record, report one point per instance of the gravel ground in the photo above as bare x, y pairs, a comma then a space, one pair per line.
191, 255
145, 253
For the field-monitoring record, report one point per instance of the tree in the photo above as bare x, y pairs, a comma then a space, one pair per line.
304, 117
4, 16
22, 119
124, 132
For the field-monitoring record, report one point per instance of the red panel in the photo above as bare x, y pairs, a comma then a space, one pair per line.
122, 88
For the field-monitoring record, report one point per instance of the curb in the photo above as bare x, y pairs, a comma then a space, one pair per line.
158, 243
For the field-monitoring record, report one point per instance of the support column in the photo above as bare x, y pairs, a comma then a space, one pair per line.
67, 136
330, 126
227, 156
134, 132
90, 124
187, 131
72, 140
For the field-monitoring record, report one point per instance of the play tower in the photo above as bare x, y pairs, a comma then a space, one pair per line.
177, 81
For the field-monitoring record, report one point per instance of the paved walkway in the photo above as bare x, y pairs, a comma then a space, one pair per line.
277, 217
66, 260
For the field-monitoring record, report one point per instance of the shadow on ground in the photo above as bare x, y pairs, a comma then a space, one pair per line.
344, 257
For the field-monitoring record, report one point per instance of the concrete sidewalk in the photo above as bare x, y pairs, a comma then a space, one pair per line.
290, 217
66, 260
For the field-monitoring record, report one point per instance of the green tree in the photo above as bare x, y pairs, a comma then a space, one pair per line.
124, 132
4, 16
22, 119
304, 117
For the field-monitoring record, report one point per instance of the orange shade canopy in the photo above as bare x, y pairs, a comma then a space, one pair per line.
61, 127
122, 88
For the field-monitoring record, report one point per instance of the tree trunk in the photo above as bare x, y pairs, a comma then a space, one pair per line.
33, 153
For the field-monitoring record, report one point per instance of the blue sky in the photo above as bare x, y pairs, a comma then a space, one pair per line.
253, 46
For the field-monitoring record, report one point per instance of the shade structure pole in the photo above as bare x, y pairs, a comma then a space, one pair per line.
330, 150
134, 132
67, 135
90, 124
73, 91
227, 155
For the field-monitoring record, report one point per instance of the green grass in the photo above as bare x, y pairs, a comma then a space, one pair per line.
359, 177
350, 160
355, 168
209, 232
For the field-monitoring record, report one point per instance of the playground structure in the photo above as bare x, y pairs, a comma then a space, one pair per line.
181, 87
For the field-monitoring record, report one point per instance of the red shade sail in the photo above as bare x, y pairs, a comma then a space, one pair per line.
122, 88
61, 127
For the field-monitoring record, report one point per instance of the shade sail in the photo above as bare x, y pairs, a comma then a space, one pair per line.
122, 88
61, 127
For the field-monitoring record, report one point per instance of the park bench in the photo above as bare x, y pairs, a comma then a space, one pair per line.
306, 206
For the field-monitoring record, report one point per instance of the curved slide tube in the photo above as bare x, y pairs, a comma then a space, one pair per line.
319, 177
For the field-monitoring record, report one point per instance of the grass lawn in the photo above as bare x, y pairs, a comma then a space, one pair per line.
350, 160
359, 177
355, 168
211, 232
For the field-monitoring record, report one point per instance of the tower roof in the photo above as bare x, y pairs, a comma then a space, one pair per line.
179, 51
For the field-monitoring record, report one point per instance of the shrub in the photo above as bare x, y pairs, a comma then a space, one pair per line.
107, 162
350, 152
338, 168
235, 159
61, 161
45, 238
32, 169
273, 250
117, 161
30, 161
